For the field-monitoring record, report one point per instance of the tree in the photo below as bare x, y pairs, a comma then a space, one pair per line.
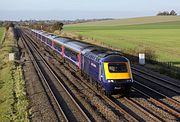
7, 25
166, 13
11, 25
173, 13
57, 26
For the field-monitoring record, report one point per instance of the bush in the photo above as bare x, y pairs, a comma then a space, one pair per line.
57, 26
1, 23
79, 37
150, 54
7, 25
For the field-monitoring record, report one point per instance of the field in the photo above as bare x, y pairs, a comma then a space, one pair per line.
161, 34
131, 21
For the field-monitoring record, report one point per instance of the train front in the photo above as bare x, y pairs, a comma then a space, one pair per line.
116, 74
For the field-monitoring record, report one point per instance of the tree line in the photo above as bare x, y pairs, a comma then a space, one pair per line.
167, 13
47, 27
50, 27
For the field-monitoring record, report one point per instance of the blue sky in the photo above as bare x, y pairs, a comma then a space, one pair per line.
83, 9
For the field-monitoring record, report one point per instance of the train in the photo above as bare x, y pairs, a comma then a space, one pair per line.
109, 70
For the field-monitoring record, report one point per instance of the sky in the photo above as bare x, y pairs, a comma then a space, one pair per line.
83, 9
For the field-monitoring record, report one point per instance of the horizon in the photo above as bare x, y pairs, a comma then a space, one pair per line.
82, 19
101, 19
78, 9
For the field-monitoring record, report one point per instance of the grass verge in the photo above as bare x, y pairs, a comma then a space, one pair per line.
13, 101
1, 35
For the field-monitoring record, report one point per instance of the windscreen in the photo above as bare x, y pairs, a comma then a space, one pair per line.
117, 67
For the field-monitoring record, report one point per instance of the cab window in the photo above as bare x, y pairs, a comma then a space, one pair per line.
117, 67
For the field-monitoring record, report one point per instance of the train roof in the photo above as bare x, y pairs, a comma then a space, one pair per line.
40, 32
46, 34
76, 45
90, 51
37, 31
97, 54
61, 40
52, 36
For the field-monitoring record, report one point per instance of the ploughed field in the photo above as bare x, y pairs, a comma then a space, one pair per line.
160, 34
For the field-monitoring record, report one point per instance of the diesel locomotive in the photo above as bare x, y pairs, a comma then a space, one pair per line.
109, 70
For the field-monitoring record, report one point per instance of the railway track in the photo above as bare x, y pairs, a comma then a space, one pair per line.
46, 85
157, 97
132, 116
127, 112
160, 97
152, 116
166, 89
139, 112
128, 116
157, 80
66, 104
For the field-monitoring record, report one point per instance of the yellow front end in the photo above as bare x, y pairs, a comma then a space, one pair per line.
117, 75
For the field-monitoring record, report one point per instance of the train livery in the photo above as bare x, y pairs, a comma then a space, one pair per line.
109, 70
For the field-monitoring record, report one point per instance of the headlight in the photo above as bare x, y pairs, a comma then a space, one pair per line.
110, 81
129, 80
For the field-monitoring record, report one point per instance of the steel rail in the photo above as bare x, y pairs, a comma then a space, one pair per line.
142, 110
161, 79
43, 78
157, 101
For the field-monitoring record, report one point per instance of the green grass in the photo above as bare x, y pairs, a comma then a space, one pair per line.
13, 101
161, 25
6, 96
163, 37
130, 21
1, 33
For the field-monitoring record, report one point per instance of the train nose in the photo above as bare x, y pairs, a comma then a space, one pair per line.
116, 71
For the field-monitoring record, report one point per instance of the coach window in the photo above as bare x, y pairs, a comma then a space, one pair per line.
74, 55
58, 47
43, 38
49, 42
71, 54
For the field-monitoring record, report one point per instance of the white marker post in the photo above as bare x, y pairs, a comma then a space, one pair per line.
11, 56
141, 58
